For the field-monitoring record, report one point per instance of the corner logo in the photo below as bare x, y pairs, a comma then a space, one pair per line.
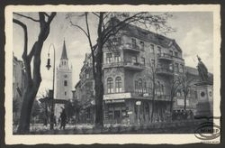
207, 131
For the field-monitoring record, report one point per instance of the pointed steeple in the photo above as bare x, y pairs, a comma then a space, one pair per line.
64, 53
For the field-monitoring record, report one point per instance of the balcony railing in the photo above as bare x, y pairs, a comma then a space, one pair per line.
133, 66
163, 97
164, 56
130, 47
127, 65
165, 71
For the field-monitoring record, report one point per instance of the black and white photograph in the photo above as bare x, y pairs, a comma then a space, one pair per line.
113, 71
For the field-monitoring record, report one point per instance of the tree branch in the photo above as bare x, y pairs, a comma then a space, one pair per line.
78, 27
95, 14
46, 14
24, 55
30, 18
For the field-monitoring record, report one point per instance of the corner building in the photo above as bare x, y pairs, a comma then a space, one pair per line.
139, 68
137, 64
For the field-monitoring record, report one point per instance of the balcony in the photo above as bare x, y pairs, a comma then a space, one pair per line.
131, 48
127, 65
164, 56
162, 97
164, 71
133, 66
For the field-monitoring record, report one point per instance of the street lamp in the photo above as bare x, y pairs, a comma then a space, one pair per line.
52, 101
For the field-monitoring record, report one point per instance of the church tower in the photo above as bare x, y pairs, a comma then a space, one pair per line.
63, 81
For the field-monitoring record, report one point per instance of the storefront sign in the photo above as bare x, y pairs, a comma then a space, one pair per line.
117, 96
114, 101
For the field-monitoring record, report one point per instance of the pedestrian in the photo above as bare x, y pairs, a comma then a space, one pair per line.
63, 119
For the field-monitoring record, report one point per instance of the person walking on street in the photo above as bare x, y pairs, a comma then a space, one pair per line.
63, 119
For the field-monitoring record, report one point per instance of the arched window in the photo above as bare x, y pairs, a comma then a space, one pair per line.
144, 87
162, 88
118, 84
136, 86
140, 85
109, 85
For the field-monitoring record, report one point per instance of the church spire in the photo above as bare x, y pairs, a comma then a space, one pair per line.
64, 53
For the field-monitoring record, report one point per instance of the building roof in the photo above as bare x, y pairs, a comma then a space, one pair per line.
147, 35
77, 85
64, 53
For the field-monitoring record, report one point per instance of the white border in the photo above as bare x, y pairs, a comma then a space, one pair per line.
107, 139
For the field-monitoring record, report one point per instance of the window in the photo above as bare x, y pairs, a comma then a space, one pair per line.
117, 57
159, 50
143, 60
136, 86
109, 85
171, 52
176, 54
171, 67
65, 83
152, 48
134, 44
153, 62
181, 68
162, 88
158, 88
145, 87
134, 59
87, 75
118, 84
65, 76
176, 67
108, 57
65, 93
140, 85
142, 45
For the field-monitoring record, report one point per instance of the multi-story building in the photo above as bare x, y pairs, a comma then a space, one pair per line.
139, 68
142, 63
18, 87
84, 91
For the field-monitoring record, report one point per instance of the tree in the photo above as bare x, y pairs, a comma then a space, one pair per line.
151, 75
108, 25
186, 83
33, 78
174, 85
70, 110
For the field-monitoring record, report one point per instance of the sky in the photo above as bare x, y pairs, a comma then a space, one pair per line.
194, 34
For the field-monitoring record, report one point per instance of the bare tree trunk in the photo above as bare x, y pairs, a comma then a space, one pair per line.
99, 90
153, 100
185, 101
24, 122
171, 103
